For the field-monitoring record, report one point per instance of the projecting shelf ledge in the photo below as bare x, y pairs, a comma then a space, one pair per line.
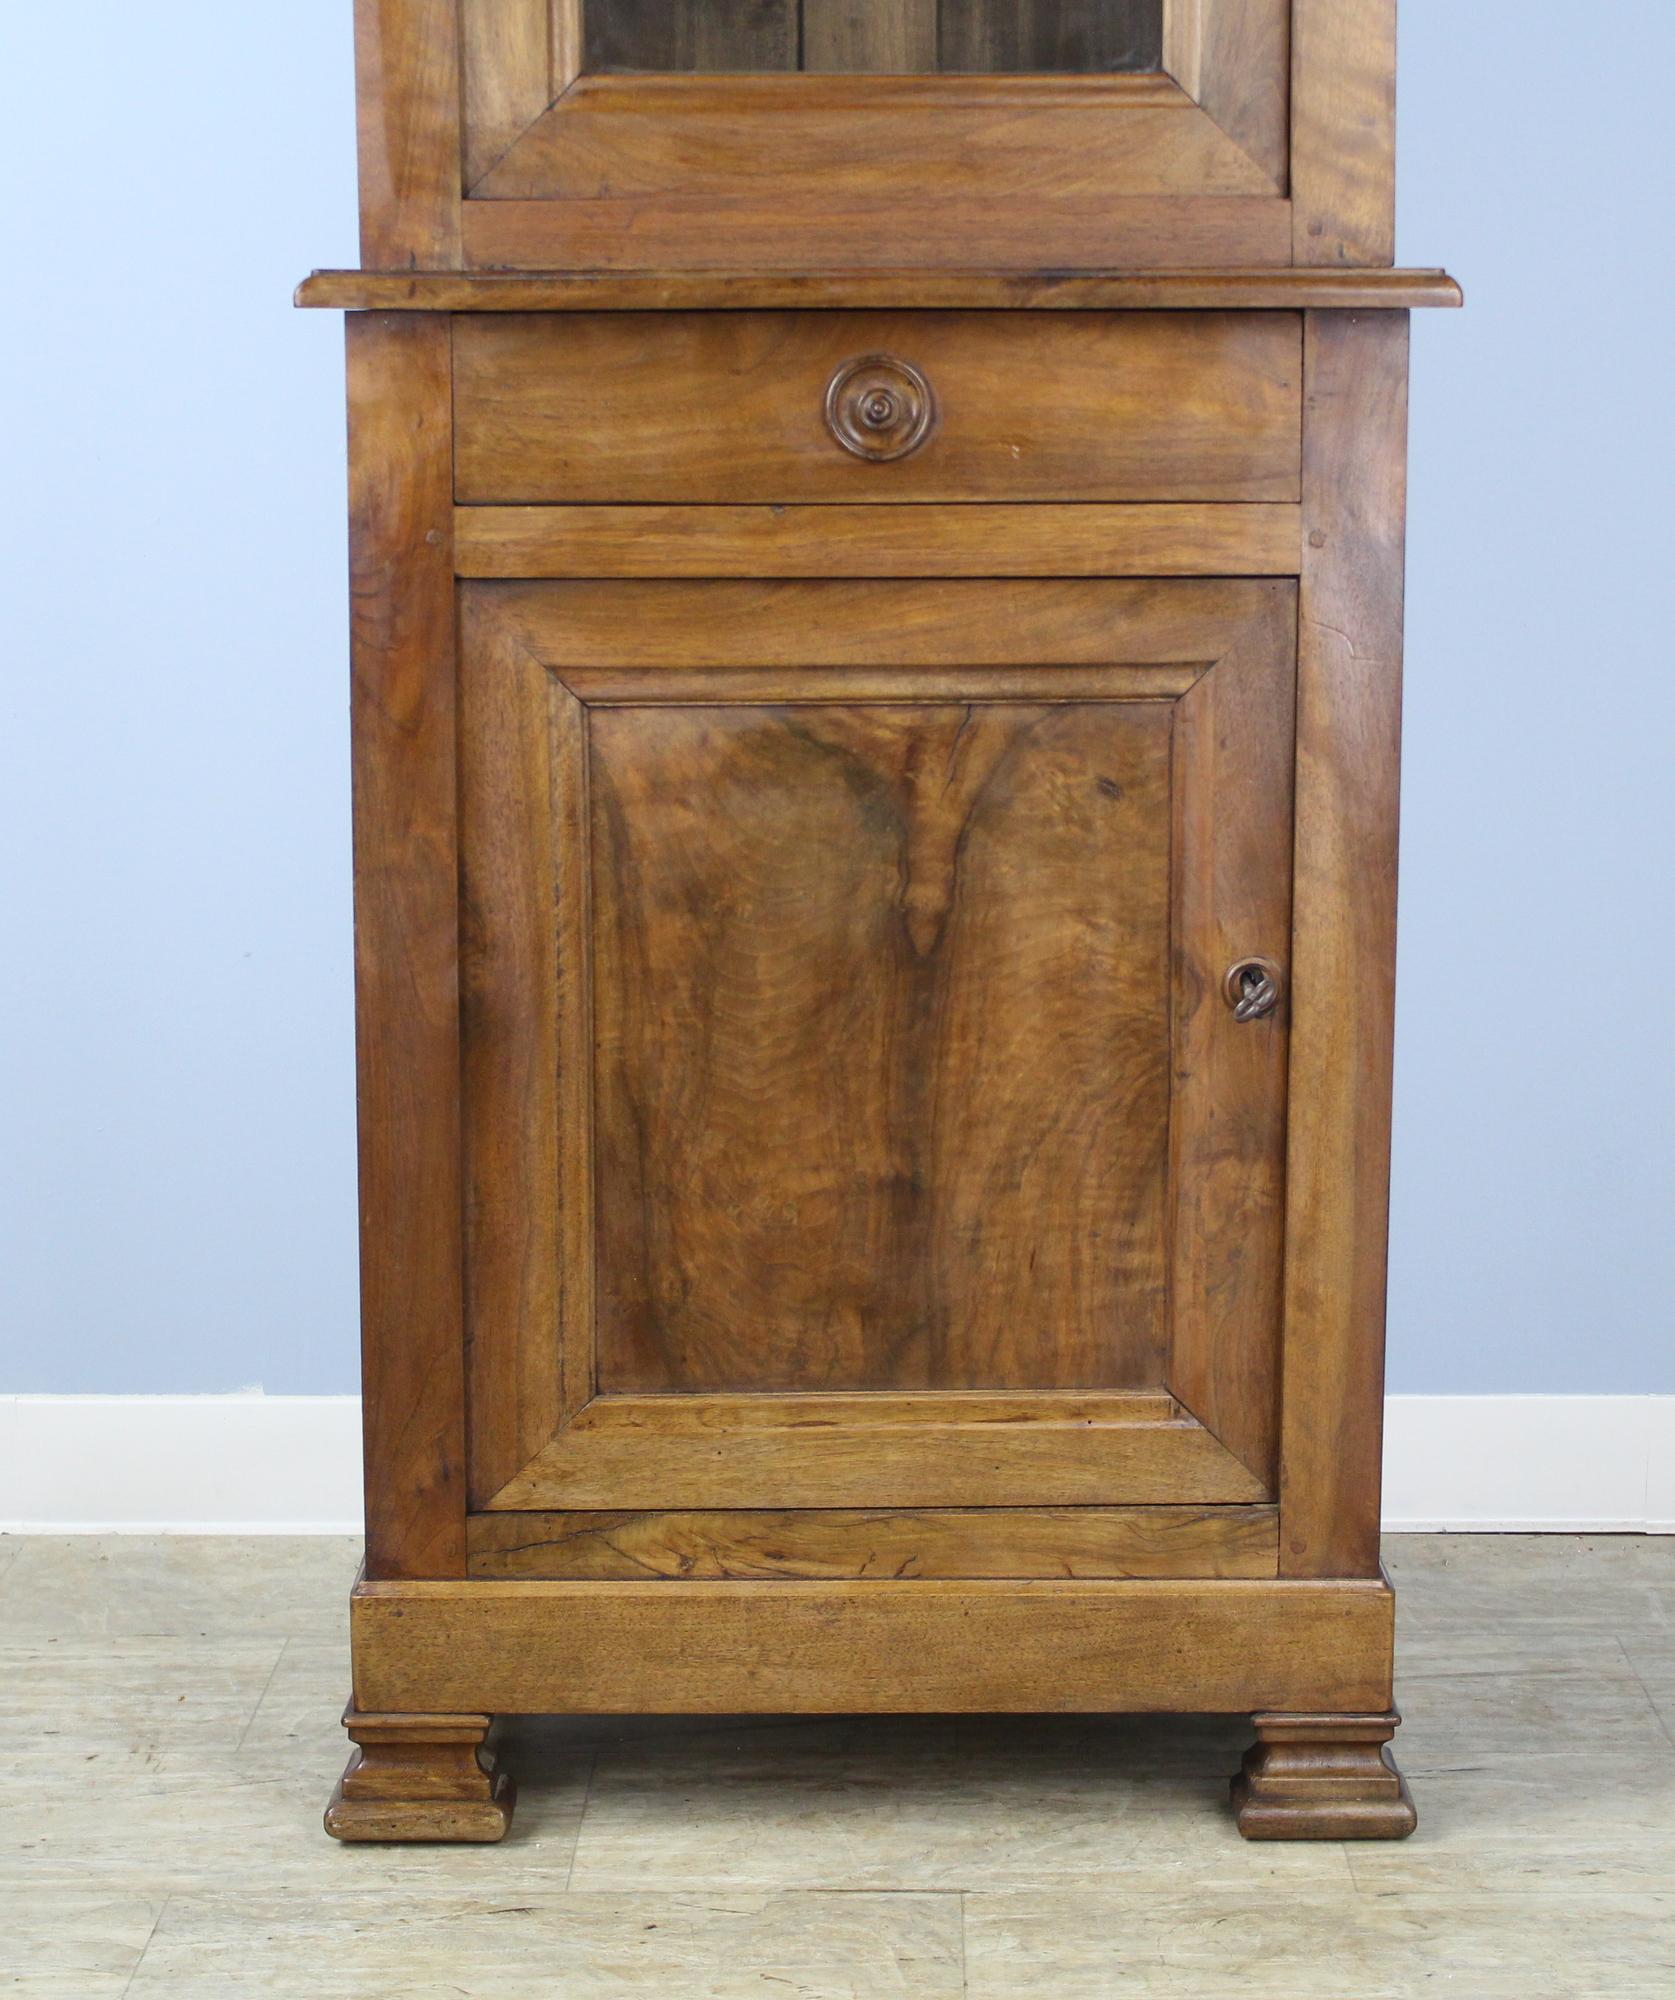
1273, 290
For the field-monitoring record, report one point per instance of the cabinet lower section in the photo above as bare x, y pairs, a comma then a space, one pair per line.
874, 1087
838, 1647
434, 1661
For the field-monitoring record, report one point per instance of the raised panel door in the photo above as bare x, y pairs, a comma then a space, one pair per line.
856, 1115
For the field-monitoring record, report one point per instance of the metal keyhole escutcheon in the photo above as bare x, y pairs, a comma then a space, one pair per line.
1253, 987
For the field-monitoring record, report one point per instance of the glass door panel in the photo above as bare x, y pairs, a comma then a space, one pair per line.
904, 37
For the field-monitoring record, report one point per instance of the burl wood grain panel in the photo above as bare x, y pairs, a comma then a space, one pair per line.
730, 406
881, 1019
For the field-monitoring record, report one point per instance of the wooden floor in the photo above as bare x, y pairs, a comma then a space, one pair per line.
170, 1712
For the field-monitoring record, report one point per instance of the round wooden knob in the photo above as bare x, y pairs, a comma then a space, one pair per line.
879, 407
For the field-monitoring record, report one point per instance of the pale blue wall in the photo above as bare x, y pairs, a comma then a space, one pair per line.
175, 1059
174, 1052
1533, 1242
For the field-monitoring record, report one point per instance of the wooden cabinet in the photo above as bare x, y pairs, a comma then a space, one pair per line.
875, 777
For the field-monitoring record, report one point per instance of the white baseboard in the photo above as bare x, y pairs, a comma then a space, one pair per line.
277, 1465
180, 1465
1530, 1464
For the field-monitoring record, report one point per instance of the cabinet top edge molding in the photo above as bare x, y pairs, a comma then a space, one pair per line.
1284, 289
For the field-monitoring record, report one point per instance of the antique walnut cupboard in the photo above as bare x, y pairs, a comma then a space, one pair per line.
877, 584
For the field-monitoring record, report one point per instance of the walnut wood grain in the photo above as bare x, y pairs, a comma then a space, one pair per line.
880, 999
879, 1542
568, 34
669, 139
1181, 44
1323, 1777
420, 1778
526, 1089
506, 65
1343, 131
406, 944
1242, 75
881, 1647
730, 407
1232, 793
1344, 942
921, 1176
1083, 290
1020, 169
408, 125
958, 1449
877, 541
898, 687
529, 1185
796, 623
1053, 236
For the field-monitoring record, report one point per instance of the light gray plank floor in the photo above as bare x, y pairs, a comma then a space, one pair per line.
170, 1727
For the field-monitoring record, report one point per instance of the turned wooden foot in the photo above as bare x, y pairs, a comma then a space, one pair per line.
420, 1777
1323, 1777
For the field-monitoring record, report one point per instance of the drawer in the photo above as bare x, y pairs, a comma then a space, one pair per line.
841, 406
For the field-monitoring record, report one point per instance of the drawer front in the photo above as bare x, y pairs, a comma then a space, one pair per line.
771, 407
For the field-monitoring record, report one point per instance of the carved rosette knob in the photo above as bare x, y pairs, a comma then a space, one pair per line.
879, 408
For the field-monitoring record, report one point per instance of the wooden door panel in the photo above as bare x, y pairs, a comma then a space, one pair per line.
852, 1117
881, 1020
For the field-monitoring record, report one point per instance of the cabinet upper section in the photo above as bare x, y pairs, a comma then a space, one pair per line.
875, 135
